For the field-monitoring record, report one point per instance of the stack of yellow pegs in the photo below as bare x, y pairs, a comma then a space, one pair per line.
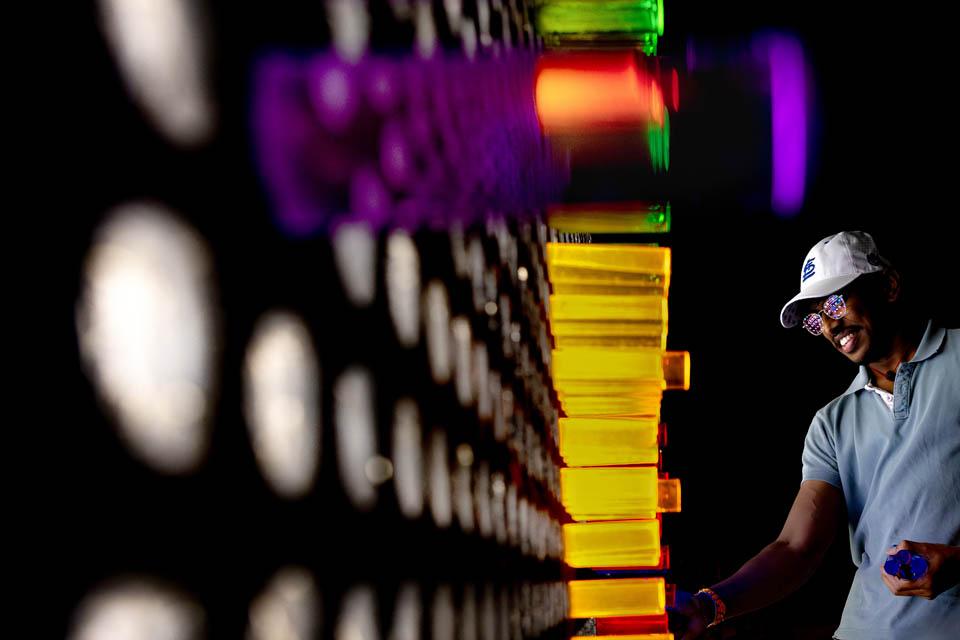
610, 367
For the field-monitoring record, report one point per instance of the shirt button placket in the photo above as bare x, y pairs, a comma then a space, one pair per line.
901, 392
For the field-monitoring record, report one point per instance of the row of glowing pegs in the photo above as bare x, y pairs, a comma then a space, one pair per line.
608, 314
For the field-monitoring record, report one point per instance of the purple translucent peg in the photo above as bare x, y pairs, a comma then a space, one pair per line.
396, 156
382, 86
369, 198
333, 92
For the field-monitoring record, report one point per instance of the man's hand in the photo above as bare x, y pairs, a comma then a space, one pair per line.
943, 571
688, 621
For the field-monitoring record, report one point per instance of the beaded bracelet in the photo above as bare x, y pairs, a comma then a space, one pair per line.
719, 608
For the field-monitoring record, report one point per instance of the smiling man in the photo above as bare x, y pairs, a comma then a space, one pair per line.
885, 453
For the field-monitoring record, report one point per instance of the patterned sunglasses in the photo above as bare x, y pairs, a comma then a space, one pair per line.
834, 307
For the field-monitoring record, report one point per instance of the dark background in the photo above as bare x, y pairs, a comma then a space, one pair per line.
883, 139
882, 128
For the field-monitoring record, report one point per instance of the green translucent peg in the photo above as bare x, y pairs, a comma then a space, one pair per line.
601, 16
658, 140
611, 217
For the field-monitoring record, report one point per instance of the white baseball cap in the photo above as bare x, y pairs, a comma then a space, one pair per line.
830, 265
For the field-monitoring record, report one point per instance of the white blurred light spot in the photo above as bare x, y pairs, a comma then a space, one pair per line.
282, 403
426, 28
488, 616
287, 609
403, 287
356, 434
378, 470
401, 9
408, 458
481, 375
437, 321
522, 274
137, 609
462, 347
146, 329
160, 51
468, 613
350, 27
513, 527
481, 498
454, 11
355, 254
441, 504
407, 613
358, 616
465, 455
483, 18
443, 623
462, 495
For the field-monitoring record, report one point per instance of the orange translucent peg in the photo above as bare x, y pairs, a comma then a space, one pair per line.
584, 92
626, 543
616, 597
617, 493
676, 370
609, 441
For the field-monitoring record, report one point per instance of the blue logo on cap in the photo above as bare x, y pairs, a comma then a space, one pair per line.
808, 271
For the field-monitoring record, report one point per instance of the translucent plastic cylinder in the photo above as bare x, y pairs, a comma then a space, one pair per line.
676, 370
610, 217
617, 493
585, 92
611, 406
632, 388
627, 543
597, 363
610, 263
658, 340
649, 309
588, 442
616, 597
633, 626
598, 16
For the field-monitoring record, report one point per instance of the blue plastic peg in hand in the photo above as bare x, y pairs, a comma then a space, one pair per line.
906, 565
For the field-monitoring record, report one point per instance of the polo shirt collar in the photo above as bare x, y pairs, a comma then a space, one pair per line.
929, 345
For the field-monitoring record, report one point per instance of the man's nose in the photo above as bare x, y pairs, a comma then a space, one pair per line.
829, 325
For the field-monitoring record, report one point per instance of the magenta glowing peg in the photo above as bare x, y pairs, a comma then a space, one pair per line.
333, 92
381, 83
397, 161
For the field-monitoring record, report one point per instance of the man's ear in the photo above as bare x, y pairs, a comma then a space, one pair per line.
892, 285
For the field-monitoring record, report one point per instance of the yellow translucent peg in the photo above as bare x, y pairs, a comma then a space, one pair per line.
588, 442
581, 282
617, 493
614, 258
676, 370
622, 543
586, 328
658, 341
611, 406
632, 388
617, 597
598, 363
649, 309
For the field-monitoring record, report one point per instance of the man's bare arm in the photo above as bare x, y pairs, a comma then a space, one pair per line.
789, 561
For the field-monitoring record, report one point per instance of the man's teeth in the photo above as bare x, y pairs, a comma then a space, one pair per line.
845, 339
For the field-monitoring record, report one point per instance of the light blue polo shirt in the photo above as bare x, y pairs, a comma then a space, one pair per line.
900, 476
